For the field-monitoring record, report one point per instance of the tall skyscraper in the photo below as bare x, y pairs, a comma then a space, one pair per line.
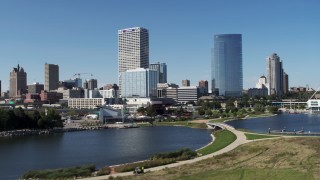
285, 83
161, 68
274, 75
133, 50
51, 77
18, 82
226, 66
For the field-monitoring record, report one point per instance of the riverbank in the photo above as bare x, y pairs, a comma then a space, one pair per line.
241, 139
37, 132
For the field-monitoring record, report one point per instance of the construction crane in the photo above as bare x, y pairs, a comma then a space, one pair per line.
78, 74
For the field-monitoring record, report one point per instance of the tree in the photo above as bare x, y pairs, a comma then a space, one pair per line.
208, 112
201, 111
50, 120
259, 108
273, 109
3, 119
151, 111
141, 110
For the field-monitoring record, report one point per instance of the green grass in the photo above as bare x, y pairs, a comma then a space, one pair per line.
250, 173
222, 139
257, 136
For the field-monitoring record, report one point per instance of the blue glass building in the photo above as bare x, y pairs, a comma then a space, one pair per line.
226, 66
139, 83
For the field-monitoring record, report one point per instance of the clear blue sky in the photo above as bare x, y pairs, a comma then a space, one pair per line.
81, 36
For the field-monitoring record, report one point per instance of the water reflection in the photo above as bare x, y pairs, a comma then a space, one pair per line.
103, 147
290, 122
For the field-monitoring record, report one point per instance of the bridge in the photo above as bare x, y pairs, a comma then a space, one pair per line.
216, 126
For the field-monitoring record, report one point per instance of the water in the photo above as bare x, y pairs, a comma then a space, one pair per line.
290, 122
103, 147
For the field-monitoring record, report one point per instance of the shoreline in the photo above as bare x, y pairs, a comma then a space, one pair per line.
38, 132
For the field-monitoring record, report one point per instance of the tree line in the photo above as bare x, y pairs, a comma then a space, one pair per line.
20, 119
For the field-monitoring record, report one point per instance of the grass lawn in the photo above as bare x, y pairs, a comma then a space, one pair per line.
250, 173
222, 139
280, 158
258, 136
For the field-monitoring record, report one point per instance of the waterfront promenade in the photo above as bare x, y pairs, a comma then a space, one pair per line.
241, 139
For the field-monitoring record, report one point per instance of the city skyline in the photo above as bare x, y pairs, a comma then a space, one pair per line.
81, 37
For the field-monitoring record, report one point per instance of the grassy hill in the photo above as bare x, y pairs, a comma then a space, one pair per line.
284, 158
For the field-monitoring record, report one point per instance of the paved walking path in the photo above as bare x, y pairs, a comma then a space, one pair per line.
241, 139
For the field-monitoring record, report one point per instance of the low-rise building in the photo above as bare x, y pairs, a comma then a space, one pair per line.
50, 97
186, 94
257, 92
85, 103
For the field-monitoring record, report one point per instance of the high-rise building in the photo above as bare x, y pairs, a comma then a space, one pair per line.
18, 82
133, 50
92, 84
139, 83
226, 66
285, 83
204, 84
185, 83
51, 77
161, 68
274, 75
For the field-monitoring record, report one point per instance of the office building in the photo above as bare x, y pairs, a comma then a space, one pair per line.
285, 83
139, 83
133, 50
161, 69
51, 77
85, 103
167, 90
226, 67
187, 94
275, 75
35, 88
185, 83
205, 86
262, 83
92, 84
18, 82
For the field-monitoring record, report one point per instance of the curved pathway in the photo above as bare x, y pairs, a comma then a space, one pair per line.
241, 139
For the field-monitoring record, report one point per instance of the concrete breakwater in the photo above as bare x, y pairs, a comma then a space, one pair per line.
35, 132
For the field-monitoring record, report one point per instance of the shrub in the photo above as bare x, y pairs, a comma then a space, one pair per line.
104, 171
158, 160
62, 173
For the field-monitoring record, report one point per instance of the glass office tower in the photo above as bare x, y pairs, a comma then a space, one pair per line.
226, 67
139, 83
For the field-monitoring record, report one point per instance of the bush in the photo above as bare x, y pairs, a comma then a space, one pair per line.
62, 173
159, 159
104, 171
176, 154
